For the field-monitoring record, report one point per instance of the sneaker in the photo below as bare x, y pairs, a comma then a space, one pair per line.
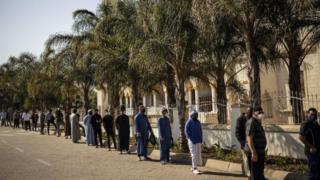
196, 172
139, 159
163, 162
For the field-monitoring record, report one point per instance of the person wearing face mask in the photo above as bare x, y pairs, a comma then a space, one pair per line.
193, 132
143, 128
123, 127
108, 126
89, 129
241, 137
96, 121
310, 137
165, 135
256, 143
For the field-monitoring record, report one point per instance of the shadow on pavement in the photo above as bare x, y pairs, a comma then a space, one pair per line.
296, 176
221, 174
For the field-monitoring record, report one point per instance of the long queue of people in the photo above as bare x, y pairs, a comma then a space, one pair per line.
249, 132
93, 131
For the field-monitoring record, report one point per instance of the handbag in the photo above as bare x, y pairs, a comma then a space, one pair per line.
152, 139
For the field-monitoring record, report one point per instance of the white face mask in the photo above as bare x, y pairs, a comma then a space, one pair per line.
260, 116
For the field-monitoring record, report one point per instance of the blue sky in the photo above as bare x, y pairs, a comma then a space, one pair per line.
27, 24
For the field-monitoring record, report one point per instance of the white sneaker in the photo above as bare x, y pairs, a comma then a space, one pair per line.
196, 172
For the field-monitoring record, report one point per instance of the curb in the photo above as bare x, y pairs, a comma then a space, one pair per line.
237, 169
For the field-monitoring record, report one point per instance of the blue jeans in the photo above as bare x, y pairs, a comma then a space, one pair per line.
164, 152
142, 147
313, 163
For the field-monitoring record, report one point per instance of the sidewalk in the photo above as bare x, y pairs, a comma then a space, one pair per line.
233, 168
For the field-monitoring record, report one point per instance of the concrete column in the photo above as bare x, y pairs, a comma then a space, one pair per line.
127, 101
197, 98
213, 96
190, 96
144, 100
130, 102
120, 100
166, 99
154, 96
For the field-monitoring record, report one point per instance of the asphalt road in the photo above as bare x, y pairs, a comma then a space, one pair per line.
31, 156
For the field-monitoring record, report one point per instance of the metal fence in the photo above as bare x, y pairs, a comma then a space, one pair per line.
278, 108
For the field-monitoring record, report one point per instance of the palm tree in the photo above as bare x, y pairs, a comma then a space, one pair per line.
248, 18
172, 44
297, 24
79, 46
220, 51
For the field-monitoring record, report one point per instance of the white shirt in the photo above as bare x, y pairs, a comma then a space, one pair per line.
26, 117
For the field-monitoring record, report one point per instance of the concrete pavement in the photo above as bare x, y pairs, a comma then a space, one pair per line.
31, 156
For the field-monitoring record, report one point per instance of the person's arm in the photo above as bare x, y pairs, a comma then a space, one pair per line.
249, 138
252, 148
187, 130
303, 134
238, 131
160, 129
306, 142
149, 126
137, 124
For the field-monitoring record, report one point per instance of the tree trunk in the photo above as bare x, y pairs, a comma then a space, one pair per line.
86, 98
135, 94
295, 91
183, 146
171, 90
114, 101
253, 73
221, 98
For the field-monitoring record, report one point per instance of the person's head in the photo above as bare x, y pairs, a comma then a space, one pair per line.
164, 111
50, 110
96, 111
258, 113
74, 110
90, 111
194, 115
142, 109
312, 114
123, 108
249, 112
26, 111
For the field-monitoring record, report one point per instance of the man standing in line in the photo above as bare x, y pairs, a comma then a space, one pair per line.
75, 128
34, 118
256, 144
26, 120
96, 124
193, 132
123, 126
241, 136
165, 136
42, 120
16, 119
59, 121
89, 129
108, 126
50, 120
143, 128
310, 137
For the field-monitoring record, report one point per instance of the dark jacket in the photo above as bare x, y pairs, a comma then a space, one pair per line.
108, 122
241, 130
96, 121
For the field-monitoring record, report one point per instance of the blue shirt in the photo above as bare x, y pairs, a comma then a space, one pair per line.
193, 131
164, 128
142, 124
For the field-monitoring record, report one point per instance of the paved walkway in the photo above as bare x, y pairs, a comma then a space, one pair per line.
27, 155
